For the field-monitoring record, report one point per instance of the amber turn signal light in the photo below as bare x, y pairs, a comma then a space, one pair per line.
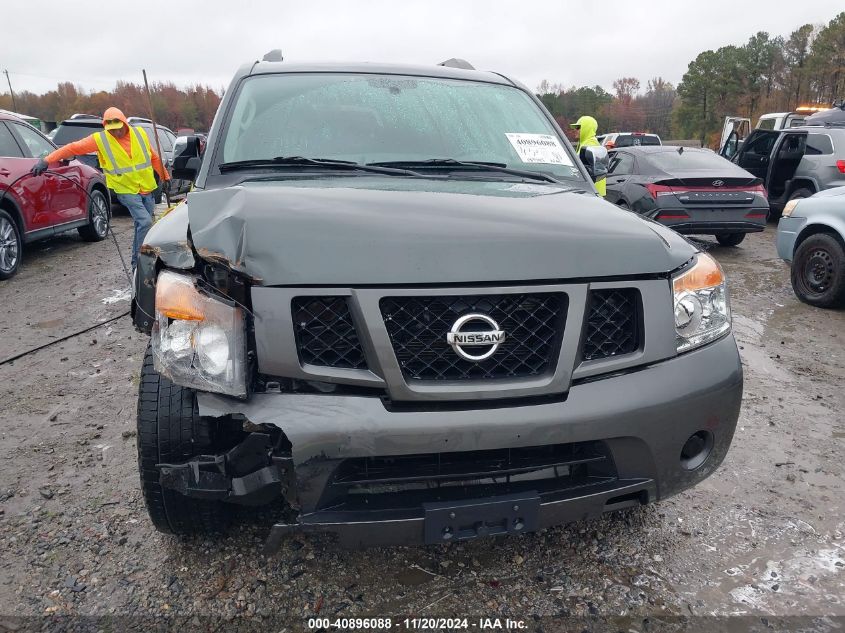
177, 298
706, 273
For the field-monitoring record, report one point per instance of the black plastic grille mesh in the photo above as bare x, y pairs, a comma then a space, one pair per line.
325, 334
612, 324
533, 326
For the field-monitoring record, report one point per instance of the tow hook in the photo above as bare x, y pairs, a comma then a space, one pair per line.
248, 474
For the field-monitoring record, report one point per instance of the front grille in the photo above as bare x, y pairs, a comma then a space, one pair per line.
410, 480
325, 333
612, 323
533, 326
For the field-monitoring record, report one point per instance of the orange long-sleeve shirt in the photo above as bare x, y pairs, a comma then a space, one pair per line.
88, 145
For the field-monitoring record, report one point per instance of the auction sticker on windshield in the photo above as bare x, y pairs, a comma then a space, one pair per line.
539, 148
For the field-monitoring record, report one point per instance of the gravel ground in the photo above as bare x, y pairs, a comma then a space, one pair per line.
763, 537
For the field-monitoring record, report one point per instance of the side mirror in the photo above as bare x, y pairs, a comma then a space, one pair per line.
596, 161
186, 158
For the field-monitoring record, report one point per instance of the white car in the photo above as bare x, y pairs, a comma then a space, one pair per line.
628, 139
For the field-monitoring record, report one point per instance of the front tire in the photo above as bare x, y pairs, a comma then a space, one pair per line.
730, 239
818, 271
99, 216
170, 430
11, 246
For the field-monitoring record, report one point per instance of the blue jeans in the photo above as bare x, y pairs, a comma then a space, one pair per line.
141, 208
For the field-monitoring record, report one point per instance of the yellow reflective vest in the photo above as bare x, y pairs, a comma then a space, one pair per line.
125, 173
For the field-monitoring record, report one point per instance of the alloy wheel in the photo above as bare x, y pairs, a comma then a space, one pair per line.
100, 215
8, 246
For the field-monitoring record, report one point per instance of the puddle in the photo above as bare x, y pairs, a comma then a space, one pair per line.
744, 325
749, 334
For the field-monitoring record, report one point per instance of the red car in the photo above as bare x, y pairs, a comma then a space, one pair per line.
37, 207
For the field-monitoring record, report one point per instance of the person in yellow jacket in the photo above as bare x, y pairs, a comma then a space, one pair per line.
587, 127
128, 160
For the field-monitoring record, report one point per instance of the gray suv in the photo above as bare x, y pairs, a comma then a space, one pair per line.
793, 163
395, 309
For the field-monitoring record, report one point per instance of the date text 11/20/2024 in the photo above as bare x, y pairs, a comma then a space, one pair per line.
415, 624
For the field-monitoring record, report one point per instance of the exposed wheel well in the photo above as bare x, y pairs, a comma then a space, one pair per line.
800, 183
815, 229
8, 205
102, 189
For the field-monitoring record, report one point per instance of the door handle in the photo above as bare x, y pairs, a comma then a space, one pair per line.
4, 172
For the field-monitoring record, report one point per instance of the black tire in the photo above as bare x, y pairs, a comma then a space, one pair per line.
99, 216
170, 430
818, 271
11, 246
730, 239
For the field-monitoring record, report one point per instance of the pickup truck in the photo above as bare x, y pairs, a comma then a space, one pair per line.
395, 309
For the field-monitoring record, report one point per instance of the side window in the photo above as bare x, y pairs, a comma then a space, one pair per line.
818, 144
761, 144
622, 165
164, 139
766, 124
8, 145
793, 144
36, 144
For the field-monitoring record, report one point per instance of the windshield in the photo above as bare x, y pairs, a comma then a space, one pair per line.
385, 118
69, 133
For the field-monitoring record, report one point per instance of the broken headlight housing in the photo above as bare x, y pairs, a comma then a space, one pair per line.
198, 340
702, 308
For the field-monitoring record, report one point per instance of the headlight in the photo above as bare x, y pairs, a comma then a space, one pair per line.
790, 207
198, 341
702, 309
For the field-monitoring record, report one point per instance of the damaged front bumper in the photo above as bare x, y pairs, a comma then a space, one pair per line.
254, 472
378, 475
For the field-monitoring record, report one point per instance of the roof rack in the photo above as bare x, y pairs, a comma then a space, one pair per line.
457, 62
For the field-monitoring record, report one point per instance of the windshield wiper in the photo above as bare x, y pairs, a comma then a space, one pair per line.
323, 163
474, 165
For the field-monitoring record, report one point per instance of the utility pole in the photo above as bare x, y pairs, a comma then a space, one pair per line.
14, 105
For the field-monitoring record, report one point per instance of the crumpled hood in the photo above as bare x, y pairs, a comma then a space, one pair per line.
361, 230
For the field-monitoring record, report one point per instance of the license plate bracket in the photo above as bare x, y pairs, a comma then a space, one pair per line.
461, 520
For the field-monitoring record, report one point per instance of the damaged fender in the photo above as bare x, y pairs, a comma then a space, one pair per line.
167, 244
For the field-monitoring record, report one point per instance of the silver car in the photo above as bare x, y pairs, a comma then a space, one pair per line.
811, 236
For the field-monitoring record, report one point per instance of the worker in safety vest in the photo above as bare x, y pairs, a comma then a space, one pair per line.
127, 159
587, 127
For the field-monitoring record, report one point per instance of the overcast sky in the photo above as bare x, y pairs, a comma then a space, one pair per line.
568, 42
